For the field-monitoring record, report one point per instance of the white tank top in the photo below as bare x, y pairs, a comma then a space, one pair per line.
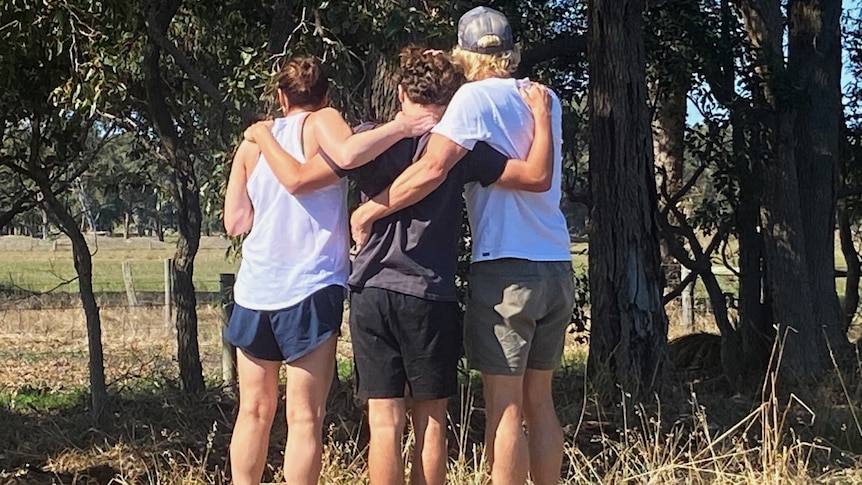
298, 244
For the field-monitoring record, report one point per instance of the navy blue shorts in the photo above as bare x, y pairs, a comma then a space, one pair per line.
290, 333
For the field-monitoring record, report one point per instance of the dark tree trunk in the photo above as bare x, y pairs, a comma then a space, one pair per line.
283, 24
783, 227
186, 195
815, 60
628, 335
100, 407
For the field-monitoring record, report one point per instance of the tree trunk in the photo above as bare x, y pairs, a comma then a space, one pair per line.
815, 58
628, 336
100, 406
783, 227
186, 195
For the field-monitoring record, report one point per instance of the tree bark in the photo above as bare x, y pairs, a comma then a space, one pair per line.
186, 194
628, 335
815, 61
782, 217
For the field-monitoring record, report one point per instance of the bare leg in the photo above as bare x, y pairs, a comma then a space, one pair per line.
545, 436
386, 421
308, 381
258, 397
429, 453
504, 434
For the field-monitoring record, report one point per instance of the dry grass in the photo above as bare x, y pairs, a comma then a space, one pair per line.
699, 433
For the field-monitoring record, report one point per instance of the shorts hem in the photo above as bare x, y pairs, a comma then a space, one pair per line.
323, 338
256, 355
543, 365
498, 369
433, 396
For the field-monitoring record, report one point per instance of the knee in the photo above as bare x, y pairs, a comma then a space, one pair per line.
386, 417
258, 408
305, 417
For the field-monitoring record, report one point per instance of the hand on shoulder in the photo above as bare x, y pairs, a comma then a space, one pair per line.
253, 132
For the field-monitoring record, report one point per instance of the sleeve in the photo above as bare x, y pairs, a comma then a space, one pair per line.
462, 121
332, 165
484, 164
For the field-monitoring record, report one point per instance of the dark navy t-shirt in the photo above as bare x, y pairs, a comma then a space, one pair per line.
415, 250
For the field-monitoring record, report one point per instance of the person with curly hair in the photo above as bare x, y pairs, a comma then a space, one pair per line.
521, 288
291, 283
405, 322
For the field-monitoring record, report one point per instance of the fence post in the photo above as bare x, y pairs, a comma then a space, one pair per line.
686, 301
228, 354
169, 290
131, 296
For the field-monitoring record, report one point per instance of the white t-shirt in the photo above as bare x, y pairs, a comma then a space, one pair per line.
508, 223
298, 243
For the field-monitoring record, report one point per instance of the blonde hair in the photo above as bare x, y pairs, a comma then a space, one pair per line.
479, 66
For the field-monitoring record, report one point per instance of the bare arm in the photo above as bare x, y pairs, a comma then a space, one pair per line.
336, 139
536, 173
238, 211
415, 183
346, 149
349, 150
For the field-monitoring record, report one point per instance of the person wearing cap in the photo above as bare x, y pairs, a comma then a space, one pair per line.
521, 286
405, 322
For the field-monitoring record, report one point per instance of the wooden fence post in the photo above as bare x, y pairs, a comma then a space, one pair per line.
686, 301
131, 296
169, 291
228, 355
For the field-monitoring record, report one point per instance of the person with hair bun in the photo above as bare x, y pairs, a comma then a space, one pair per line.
290, 287
405, 322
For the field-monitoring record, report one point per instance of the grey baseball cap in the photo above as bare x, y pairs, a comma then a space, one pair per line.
485, 31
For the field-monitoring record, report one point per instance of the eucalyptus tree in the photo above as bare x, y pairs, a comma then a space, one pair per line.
48, 144
628, 335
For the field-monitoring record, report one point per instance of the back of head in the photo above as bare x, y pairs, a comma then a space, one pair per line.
427, 78
486, 47
303, 82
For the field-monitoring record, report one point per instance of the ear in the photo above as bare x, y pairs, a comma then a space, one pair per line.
401, 95
282, 100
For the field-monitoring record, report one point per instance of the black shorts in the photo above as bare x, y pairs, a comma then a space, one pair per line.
401, 340
290, 333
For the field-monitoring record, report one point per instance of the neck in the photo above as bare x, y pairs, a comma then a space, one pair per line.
415, 109
287, 109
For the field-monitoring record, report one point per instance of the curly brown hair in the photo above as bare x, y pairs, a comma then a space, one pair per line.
303, 82
428, 78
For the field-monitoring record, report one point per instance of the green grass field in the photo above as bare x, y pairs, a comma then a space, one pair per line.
38, 267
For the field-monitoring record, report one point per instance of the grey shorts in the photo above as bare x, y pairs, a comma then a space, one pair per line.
517, 315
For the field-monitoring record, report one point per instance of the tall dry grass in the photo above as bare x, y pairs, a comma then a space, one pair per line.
699, 432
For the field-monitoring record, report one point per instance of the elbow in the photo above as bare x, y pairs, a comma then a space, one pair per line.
348, 161
541, 184
237, 225
435, 175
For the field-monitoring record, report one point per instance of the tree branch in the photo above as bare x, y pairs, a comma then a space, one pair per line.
571, 47
157, 33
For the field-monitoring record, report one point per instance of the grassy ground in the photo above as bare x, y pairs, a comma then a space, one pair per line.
696, 431
699, 432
